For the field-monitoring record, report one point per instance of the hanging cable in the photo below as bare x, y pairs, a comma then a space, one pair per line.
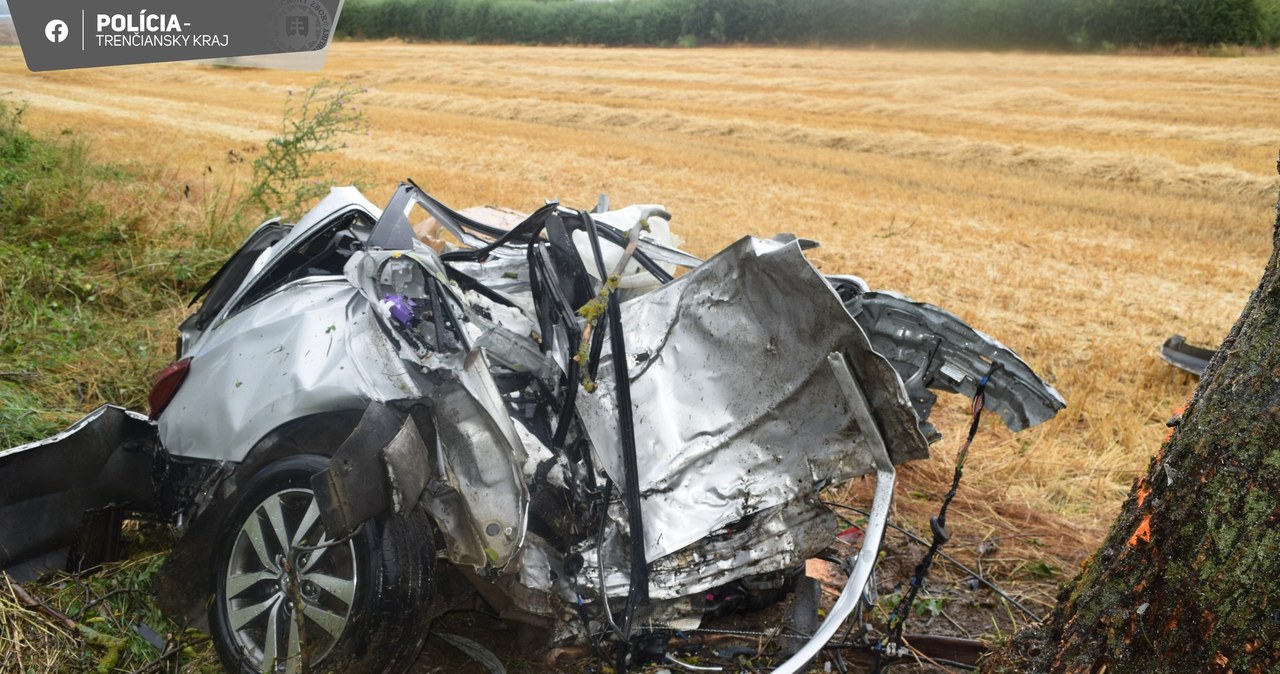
890, 647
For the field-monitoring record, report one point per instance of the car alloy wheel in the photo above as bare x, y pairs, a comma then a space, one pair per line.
288, 586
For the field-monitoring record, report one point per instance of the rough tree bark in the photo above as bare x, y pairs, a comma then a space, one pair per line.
1188, 579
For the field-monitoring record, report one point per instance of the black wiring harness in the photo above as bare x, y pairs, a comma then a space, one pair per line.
889, 648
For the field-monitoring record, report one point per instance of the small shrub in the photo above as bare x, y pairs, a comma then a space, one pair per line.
289, 174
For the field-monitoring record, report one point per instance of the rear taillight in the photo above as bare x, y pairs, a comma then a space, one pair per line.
166, 386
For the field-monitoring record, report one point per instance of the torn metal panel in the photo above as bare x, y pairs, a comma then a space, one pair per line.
513, 350
101, 462
393, 231
381, 466
778, 538
228, 281
933, 349
864, 562
339, 201
478, 492
336, 202
712, 450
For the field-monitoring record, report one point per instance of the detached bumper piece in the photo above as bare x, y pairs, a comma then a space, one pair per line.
64, 512
1178, 353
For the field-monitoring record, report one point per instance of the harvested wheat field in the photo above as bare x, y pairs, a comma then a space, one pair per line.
1079, 208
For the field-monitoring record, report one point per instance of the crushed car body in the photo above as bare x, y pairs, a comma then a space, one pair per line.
596, 441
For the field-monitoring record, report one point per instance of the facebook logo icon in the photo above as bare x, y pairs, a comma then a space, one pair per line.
56, 31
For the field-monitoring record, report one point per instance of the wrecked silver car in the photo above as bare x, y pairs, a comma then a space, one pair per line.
598, 443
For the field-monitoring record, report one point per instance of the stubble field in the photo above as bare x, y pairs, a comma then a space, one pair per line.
1079, 208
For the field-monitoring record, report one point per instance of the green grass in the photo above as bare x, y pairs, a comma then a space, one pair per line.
88, 290
22, 417
87, 275
100, 260
104, 623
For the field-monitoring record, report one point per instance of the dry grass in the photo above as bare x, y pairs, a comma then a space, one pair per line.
73, 623
1081, 208
31, 642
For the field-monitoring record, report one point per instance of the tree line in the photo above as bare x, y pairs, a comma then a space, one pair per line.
1035, 24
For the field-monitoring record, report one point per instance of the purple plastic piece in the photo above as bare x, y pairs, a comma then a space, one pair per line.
401, 308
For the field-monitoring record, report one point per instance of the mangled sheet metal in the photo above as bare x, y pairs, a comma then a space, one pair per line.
322, 351
741, 412
480, 496
1188, 357
933, 349
466, 385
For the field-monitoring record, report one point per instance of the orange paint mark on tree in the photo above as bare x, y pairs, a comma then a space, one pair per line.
1144, 490
1142, 533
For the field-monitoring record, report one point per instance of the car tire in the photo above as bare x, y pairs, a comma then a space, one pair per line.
365, 600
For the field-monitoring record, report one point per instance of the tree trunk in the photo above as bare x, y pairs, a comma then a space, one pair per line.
1188, 579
